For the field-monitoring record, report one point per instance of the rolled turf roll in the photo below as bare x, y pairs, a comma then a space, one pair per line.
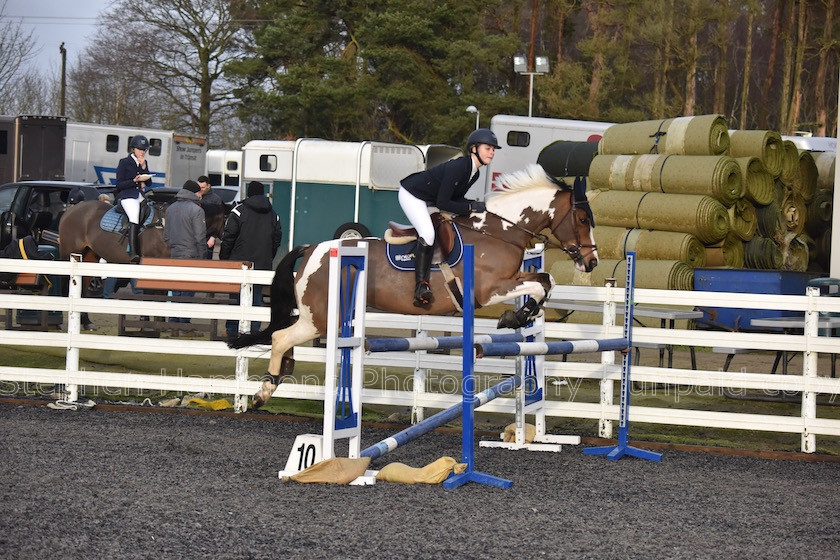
758, 183
698, 135
699, 215
765, 144
715, 176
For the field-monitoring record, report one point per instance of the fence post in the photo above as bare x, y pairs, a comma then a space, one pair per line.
73, 328
809, 369
605, 426
240, 401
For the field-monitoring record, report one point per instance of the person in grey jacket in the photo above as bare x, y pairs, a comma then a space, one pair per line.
185, 231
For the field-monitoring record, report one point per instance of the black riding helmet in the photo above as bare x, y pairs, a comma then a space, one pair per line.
140, 142
481, 136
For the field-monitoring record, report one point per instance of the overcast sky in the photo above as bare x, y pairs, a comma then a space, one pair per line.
55, 21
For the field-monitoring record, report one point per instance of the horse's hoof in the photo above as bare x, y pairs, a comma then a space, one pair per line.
257, 402
508, 320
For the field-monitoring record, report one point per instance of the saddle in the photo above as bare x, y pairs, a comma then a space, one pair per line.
400, 234
115, 220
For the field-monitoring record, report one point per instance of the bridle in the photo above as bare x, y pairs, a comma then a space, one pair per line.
574, 250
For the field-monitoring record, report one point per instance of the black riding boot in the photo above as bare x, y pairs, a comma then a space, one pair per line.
423, 296
132, 239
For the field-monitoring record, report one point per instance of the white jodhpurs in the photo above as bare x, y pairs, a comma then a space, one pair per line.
418, 214
131, 207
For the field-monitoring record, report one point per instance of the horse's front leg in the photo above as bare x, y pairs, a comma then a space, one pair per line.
535, 285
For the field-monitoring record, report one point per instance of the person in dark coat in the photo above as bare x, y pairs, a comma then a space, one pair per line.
213, 207
133, 177
252, 233
444, 187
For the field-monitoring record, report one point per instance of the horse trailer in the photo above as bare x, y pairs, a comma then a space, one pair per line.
224, 167
32, 148
94, 150
324, 189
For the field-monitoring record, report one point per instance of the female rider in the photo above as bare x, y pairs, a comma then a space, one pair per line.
132, 179
444, 187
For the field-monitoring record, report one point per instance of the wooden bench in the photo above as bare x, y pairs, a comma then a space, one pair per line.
205, 292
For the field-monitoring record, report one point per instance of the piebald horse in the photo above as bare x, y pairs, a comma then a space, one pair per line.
529, 202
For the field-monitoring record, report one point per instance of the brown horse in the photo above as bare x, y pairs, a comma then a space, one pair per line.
79, 232
530, 202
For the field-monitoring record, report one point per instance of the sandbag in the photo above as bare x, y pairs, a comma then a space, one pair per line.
697, 135
509, 435
699, 215
433, 473
758, 183
765, 144
338, 470
715, 176
615, 242
567, 159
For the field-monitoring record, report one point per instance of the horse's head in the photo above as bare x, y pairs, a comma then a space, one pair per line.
573, 225
534, 200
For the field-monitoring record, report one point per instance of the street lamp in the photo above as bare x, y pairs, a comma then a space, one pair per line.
520, 66
474, 109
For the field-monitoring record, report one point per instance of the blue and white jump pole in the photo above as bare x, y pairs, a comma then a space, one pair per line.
616, 452
468, 388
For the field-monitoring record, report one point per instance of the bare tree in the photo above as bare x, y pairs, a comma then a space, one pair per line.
180, 50
828, 42
16, 48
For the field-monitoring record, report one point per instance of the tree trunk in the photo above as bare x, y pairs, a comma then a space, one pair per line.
764, 116
799, 63
722, 66
595, 82
787, 63
691, 63
745, 93
535, 10
822, 70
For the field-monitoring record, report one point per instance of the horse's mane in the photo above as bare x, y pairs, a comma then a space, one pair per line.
532, 177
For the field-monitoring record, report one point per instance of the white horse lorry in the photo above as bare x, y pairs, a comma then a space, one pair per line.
92, 152
323, 189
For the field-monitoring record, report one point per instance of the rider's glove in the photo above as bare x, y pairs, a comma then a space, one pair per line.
477, 206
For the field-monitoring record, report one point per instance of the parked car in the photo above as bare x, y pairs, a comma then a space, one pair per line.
29, 206
229, 195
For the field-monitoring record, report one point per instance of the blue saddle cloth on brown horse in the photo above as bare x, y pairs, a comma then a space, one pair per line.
401, 256
115, 221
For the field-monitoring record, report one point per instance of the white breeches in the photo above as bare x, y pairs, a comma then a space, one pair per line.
131, 206
418, 214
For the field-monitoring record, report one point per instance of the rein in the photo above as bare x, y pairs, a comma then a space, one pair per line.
573, 250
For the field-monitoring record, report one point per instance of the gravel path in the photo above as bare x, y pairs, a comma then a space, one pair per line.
113, 484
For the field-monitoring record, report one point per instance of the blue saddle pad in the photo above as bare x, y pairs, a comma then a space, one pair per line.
401, 257
113, 220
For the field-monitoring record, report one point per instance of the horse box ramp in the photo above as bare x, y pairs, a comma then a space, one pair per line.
779, 282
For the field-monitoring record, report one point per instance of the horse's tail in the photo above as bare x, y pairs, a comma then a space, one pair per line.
283, 302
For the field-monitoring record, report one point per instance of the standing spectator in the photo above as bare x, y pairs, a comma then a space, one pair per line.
252, 233
214, 210
184, 230
133, 177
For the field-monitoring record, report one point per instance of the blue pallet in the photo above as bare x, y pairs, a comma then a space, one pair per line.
782, 282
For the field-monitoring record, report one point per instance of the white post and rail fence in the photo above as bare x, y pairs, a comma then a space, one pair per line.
442, 371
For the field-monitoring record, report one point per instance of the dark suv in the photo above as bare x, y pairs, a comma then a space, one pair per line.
27, 206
